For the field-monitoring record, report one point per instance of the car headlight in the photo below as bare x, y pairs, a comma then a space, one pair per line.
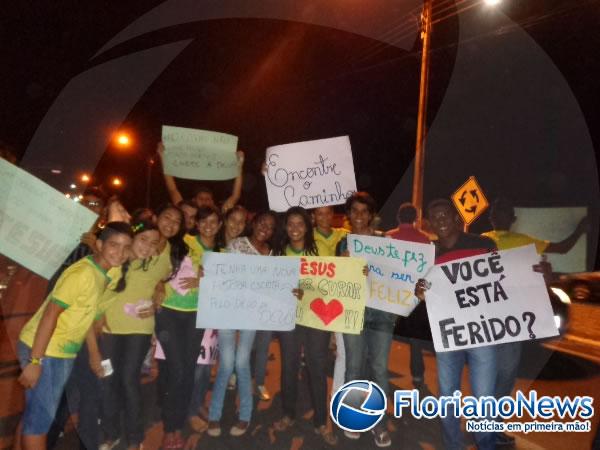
562, 295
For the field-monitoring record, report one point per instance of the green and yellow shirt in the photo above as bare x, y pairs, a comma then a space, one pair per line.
326, 244
176, 298
78, 291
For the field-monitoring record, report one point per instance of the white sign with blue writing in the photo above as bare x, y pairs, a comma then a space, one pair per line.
394, 268
247, 292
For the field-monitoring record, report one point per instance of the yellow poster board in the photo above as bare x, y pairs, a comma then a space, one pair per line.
470, 201
335, 292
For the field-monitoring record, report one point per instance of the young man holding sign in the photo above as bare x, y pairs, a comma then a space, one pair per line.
374, 342
453, 244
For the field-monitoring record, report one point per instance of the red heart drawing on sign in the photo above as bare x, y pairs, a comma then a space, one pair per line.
327, 312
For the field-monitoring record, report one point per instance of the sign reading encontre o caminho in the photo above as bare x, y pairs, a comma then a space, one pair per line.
310, 174
39, 226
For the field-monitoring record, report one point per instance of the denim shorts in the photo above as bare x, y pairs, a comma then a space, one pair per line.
42, 401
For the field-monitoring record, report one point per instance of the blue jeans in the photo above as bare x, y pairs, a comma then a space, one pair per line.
482, 362
42, 401
372, 345
201, 384
261, 348
509, 357
231, 358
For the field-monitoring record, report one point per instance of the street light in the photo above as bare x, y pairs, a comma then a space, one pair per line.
426, 28
85, 178
123, 140
117, 182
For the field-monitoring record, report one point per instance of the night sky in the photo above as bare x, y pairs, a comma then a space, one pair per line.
513, 94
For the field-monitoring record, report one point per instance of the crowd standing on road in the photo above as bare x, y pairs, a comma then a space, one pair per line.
133, 282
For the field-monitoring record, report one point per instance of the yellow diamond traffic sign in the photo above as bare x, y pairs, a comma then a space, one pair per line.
470, 200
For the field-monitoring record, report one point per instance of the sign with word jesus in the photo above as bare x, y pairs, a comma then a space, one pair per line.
247, 292
199, 154
310, 174
334, 294
487, 300
394, 268
39, 226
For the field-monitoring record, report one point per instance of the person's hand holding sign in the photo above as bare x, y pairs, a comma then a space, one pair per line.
298, 293
420, 288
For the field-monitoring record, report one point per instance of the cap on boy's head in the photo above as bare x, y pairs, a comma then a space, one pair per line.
407, 213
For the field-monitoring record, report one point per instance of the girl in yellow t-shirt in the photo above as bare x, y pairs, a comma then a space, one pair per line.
176, 326
299, 241
129, 324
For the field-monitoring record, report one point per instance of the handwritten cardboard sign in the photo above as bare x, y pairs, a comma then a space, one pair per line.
247, 292
334, 294
394, 268
199, 154
487, 300
310, 174
39, 226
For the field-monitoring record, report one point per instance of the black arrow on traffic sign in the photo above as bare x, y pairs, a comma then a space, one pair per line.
474, 195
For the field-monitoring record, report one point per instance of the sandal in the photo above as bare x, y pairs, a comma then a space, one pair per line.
328, 437
283, 424
198, 424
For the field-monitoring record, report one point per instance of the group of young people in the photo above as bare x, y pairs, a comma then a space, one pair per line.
138, 276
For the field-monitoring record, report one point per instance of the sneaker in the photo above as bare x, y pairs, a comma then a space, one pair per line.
381, 437
232, 382
504, 439
214, 429
239, 428
328, 437
351, 435
263, 393
109, 445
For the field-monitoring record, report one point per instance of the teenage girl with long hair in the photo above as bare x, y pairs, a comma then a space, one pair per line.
127, 334
237, 356
299, 241
176, 326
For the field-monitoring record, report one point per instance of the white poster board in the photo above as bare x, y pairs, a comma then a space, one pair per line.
554, 225
247, 292
394, 268
199, 154
310, 174
39, 226
488, 299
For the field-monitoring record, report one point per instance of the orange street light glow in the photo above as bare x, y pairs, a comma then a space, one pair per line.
85, 178
123, 140
117, 182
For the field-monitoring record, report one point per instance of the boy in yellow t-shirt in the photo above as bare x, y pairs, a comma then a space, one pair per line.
49, 342
326, 236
